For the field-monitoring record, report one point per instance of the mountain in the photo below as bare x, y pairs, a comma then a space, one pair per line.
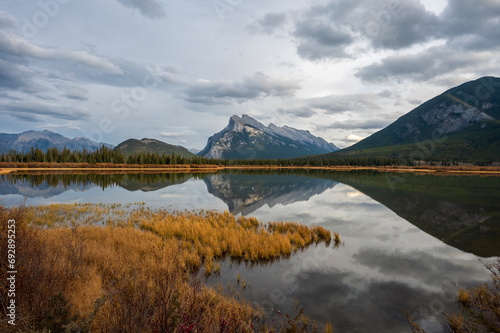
246, 138
194, 150
132, 146
245, 193
43, 140
463, 123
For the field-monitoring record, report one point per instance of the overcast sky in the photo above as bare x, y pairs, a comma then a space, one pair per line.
177, 70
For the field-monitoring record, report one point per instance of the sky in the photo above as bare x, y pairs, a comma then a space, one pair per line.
177, 70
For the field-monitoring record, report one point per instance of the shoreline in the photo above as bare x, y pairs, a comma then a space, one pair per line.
437, 170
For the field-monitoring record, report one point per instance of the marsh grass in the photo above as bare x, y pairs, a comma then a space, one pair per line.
108, 268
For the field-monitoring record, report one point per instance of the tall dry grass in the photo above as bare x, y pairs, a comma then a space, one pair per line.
106, 268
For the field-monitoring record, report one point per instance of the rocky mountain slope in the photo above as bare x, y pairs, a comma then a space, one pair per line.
44, 140
463, 123
246, 138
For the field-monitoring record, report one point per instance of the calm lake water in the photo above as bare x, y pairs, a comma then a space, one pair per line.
410, 241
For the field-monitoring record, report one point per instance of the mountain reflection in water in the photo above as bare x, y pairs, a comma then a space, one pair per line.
463, 211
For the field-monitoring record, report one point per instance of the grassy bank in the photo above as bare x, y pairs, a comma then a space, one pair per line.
108, 268
6, 168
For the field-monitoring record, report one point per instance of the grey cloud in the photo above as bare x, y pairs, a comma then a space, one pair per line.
398, 24
389, 94
419, 67
16, 77
337, 104
269, 23
471, 31
226, 92
472, 24
301, 112
368, 124
14, 45
134, 74
327, 31
415, 101
45, 97
149, 8
83, 66
31, 111
77, 93
319, 40
7, 21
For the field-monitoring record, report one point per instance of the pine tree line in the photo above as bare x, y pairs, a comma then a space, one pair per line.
106, 155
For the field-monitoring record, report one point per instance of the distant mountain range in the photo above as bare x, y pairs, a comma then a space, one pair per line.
246, 138
194, 150
44, 140
132, 146
463, 123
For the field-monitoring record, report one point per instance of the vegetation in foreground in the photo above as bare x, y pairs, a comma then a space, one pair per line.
107, 268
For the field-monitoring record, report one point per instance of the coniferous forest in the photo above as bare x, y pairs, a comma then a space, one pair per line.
112, 157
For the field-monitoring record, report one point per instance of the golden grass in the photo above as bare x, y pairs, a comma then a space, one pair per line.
462, 170
200, 236
108, 268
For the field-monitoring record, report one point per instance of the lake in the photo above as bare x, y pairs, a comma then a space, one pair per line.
409, 241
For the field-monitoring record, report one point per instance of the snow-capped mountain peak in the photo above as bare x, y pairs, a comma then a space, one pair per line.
246, 138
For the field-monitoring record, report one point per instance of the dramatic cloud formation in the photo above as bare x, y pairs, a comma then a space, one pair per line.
35, 111
224, 92
15, 77
428, 64
319, 40
327, 30
15, 46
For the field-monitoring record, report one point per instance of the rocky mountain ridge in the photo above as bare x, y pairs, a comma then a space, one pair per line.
246, 138
43, 140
